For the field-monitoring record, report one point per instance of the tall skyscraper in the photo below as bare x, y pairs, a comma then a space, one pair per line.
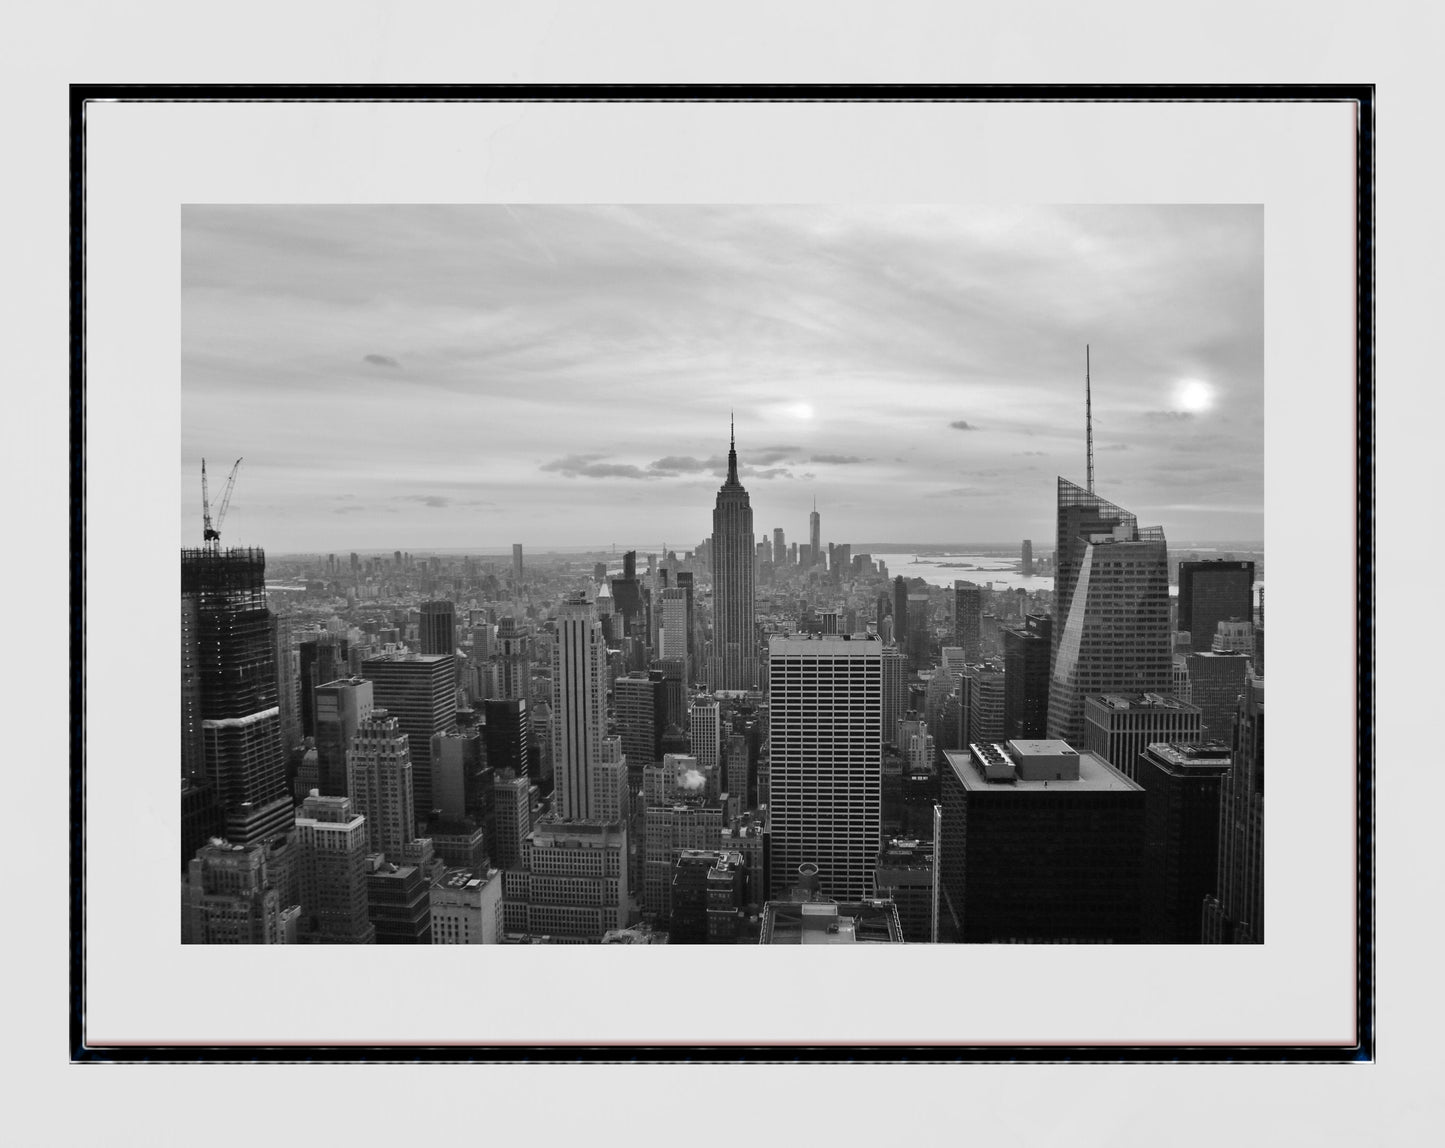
324, 658
341, 706
1181, 837
900, 613
1026, 677
513, 820
230, 711
734, 662
1216, 683
579, 677
332, 839
895, 693
641, 709
1112, 596
516, 569
826, 698
705, 721
967, 615
420, 693
380, 782
514, 659
1026, 563
673, 633
815, 535
437, 629
780, 548
507, 735
1234, 914
685, 584
1213, 592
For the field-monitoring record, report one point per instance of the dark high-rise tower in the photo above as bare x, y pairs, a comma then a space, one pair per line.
900, 612
815, 534
420, 693
438, 628
1234, 914
1213, 592
1111, 594
1026, 677
230, 715
734, 662
967, 616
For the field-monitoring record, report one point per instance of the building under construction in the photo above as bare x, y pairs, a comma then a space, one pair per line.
230, 715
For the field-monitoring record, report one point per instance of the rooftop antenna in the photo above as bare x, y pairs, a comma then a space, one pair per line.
1089, 416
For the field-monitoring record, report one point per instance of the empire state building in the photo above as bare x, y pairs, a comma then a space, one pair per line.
734, 663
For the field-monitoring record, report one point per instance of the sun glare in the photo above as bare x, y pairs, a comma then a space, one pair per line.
801, 410
1193, 395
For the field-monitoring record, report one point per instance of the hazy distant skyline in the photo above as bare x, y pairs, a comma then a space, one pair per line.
454, 377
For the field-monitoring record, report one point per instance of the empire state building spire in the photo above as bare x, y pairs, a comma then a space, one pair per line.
732, 452
733, 665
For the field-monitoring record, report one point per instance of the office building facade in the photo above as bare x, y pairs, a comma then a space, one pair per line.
826, 717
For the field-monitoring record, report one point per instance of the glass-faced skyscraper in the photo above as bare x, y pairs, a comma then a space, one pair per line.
1111, 595
734, 663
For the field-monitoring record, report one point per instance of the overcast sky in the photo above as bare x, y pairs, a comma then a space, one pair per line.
472, 376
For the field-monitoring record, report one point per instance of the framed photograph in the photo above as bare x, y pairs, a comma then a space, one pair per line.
597, 323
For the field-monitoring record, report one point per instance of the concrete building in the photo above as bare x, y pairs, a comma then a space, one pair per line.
340, 707
1216, 683
579, 681
572, 883
1119, 727
398, 902
513, 663
231, 899
437, 629
983, 688
907, 874
640, 706
687, 822
420, 693
466, 907
1039, 843
380, 782
1211, 592
826, 707
513, 818
332, 841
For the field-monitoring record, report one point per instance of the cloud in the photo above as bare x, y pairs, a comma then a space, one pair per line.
380, 361
770, 472
348, 509
1168, 416
838, 459
1116, 446
686, 464
769, 455
960, 424
961, 492
436, 501
591, 466
1033, 453
690, 780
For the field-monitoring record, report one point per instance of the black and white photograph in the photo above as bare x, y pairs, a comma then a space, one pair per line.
781, 513
722, 574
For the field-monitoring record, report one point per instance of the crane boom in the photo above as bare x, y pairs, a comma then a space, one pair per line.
226, 499
209, 534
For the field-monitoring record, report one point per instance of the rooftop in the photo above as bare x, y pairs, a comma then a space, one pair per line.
1138, 701
1210, 755
830, 923
824, 645
1095, 776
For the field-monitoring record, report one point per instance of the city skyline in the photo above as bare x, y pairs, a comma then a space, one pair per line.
454, 377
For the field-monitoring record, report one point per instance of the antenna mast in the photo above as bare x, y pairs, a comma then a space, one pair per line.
1089, 416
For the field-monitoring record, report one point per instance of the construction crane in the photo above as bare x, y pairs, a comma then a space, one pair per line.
212, 534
